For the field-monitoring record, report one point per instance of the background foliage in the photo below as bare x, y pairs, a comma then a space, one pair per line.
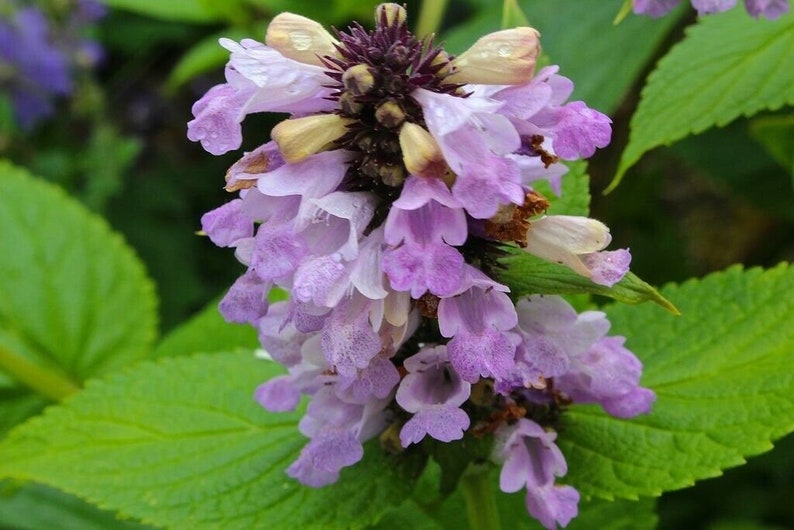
716, 92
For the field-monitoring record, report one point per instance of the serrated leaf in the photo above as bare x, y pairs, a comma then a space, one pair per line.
182, 444
723, 372
450, 512
75, 301
776, 134
182, 10
36, 507
526, 274
206, 332
583, 45
574, 198
728, 66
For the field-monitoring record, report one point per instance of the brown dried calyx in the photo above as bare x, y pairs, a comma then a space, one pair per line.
512, 223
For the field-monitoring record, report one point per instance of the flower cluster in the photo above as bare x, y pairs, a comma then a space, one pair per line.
39, 50
770, 9
384, 204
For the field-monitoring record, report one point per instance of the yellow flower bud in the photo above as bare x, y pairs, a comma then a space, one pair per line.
502, 58
421, 154
358, 79
395, 13
300, 38
390, 114
298, 138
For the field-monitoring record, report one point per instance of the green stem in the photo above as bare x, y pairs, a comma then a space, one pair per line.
430, 15
480, 502
45, 382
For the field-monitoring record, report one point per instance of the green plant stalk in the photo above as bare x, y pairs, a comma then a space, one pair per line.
481, 508
430, 15
44, 382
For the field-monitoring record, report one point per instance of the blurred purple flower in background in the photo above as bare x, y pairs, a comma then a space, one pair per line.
39, 54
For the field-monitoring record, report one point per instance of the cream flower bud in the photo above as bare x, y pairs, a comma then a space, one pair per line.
395, 13
298, 138
501, 58
421, 153
563, 238
358, 79
390, 114
300, 38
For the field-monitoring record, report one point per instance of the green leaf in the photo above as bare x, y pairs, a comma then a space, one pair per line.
574, 198
582, 44
204, 56
527, 274
776, 134
34, 507
207, 332
512, 16
75, 301
433, 511
194, 11
182, 444
723, 373
728, 66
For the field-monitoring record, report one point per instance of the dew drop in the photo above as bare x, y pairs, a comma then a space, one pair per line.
504, 51
301, 40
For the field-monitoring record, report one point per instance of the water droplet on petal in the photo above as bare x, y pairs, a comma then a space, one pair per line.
301, 40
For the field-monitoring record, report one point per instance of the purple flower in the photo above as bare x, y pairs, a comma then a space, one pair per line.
383, 205
38, 56
433, 392
770, 9
532, 460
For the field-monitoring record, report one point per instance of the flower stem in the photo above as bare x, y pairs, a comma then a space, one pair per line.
481, 508
43, 381
430, 15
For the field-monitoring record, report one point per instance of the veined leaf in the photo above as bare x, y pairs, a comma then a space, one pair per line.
723, 373
75, 301
526, 274
182, 444
728, 66
582, 39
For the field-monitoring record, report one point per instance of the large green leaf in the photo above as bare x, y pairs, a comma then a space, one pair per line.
75, 301
35, 507
583, 40
207, 332
181, 443
724, 376
428, 510
728, 66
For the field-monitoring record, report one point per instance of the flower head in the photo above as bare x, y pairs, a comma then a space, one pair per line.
384, 204
770, 9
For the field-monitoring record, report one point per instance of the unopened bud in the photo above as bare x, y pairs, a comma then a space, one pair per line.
391, 174
421, 153
349, 105
394, 14
358, 79
300, 38
390, 114
298, 138
501, 58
